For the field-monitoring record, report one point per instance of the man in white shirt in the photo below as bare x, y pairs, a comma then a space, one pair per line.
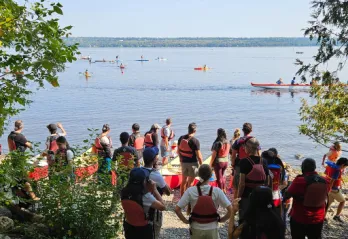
167, 135
150, 156
191, 196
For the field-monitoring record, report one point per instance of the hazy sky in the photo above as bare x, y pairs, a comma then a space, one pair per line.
189, 18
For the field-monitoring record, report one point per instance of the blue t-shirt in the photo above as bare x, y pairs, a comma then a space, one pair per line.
336, 174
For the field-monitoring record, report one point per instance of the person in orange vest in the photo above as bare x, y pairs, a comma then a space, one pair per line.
190, 157
167, 135
151, 137
136, 140
204, 200
219, 157
333, 154
334, 172
51, 142
103, 148
16, 140
126, 155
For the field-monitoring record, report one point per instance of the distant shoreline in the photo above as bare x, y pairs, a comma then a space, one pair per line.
182, 42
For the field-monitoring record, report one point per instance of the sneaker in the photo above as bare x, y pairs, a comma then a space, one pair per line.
338, 218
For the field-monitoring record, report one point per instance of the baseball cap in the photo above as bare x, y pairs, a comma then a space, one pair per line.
155, 126
52, 127
150, 153
137, 176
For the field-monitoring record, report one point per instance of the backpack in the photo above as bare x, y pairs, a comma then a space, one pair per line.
241, 151
316, 193
256, 177
53, 143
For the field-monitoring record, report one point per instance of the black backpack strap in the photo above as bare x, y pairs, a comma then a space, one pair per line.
211, 191
199, 190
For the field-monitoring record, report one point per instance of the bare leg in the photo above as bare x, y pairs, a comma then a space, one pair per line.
183, 185
340, 208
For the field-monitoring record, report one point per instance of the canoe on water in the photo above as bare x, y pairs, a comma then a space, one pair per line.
142, 60
282, 86
201, 69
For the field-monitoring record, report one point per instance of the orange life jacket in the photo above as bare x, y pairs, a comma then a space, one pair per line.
241, 151
334, 155
97, 148
185, 149
53, 143
148, 140
204, 211
171, 135
11, 144
224, 150
139, 142
256, 177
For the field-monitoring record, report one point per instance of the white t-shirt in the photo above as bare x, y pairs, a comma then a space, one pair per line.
166, 133
148, 199
157, 178
191, 196
69, 155
104, 140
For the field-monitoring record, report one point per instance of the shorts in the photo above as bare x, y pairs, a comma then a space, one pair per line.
189, 169
236, 176
204, 234
336, 196
164, 152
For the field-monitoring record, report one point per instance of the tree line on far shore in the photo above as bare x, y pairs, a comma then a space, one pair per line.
190, 42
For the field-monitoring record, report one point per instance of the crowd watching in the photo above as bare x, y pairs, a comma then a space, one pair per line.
263, 201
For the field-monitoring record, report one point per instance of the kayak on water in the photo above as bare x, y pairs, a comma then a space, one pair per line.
201, 68
142, 60
160, 59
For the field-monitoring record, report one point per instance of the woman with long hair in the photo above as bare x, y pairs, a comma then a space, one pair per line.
236, 135
219, 157
260, 221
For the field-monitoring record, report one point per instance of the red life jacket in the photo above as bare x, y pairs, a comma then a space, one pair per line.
241, 151
53, 143
316, 192
276, 172
139, 142
97, 148
331, 169
256, 177
171, 135
134, 213
224, 150
11, 144
126, 158
204, 211
185, 149
148, 139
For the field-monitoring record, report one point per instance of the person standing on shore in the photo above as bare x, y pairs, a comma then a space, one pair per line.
238, 153
150, 159
16, 140
63, 159
205, 200
151, 137
102, 146
167, 134
126, 155
136, 140
51, 143
190, 157
219, 157
333, 154
309, 192
334, 173
253, 173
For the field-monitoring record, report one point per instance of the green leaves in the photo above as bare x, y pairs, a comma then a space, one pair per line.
40, 52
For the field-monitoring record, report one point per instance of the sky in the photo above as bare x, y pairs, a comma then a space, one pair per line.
186, 18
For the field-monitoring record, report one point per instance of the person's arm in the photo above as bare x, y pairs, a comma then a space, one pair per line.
178, 212
159, 203
233, 157
155, 139
227, 215
213, 157
59, 125
323, 161
235, 208
199, 157
241, 184
28, 144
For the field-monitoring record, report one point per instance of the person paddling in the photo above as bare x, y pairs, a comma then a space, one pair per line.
151, 137
136, 140
190, 157
219, 157
167, 135
204, 200
139, 199
150, 160
253, 172
16, 140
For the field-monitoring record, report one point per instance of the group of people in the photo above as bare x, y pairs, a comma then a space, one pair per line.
261, 187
